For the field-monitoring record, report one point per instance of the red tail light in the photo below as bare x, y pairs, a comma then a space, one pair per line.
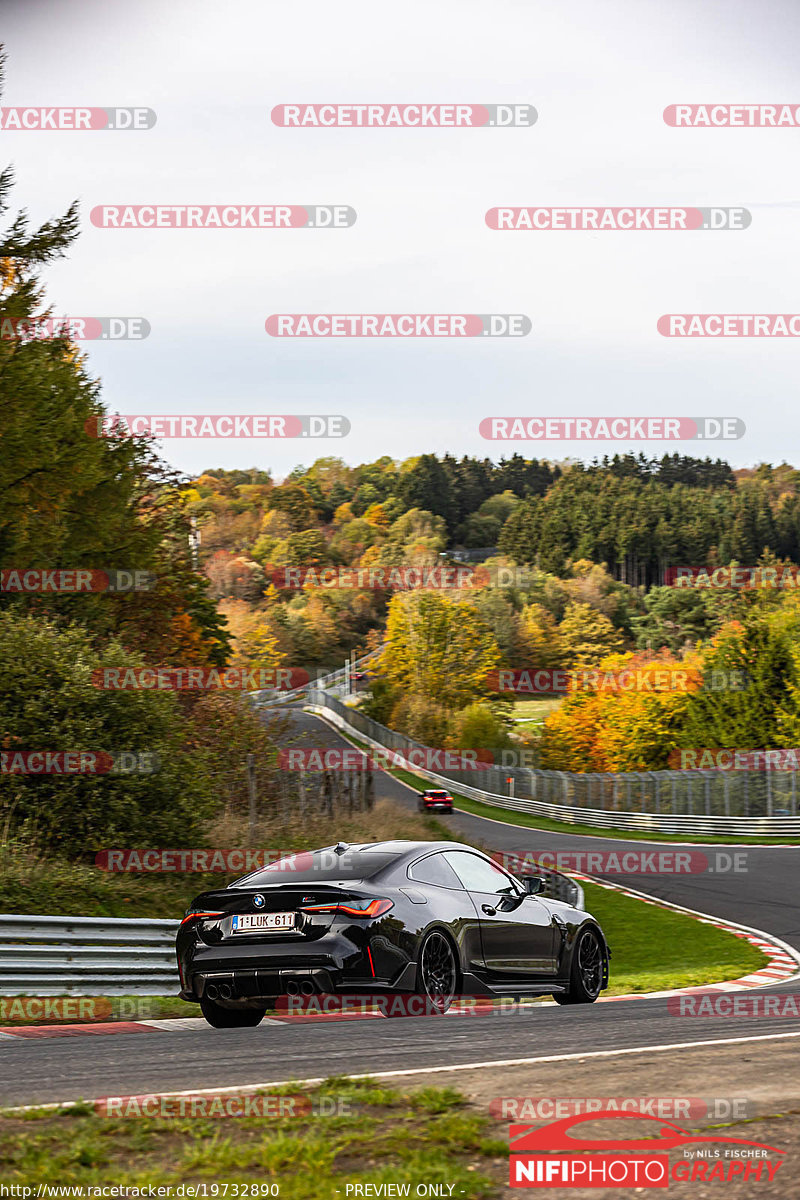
196, 915
353, 908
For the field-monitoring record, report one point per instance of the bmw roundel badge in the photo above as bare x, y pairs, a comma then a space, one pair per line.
258, 901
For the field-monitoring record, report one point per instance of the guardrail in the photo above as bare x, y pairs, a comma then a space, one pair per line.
701, 803
108, 956
556, 885
87, 956
269, 699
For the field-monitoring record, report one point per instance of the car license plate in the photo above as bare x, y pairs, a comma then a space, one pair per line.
255, 922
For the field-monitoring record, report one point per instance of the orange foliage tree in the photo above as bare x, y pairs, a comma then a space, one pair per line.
624, 715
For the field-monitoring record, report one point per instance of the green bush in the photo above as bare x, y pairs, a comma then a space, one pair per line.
478, 727
422, 719
49, 702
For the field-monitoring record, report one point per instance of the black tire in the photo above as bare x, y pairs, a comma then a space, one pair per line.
586, 970
231, 1018
437, 971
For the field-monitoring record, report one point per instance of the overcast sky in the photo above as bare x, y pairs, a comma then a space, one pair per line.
599, 75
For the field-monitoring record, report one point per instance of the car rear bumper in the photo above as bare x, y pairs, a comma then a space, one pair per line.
267, 982
252, 967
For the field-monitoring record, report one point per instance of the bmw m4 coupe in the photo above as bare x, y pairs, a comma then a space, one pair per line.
432, 919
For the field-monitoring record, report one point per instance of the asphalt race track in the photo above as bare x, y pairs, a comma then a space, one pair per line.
765, 896
132, 1064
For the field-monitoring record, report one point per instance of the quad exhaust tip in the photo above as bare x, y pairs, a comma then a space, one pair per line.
222, 991
295, 987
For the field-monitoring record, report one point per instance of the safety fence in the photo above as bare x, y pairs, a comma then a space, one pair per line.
709, 802
274, 698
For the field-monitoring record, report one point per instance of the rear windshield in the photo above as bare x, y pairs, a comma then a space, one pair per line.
436, 795
318, 866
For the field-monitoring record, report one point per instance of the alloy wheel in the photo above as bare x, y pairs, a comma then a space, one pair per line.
590, 963
438, 971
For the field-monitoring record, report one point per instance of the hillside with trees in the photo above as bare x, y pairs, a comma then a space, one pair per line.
583, 548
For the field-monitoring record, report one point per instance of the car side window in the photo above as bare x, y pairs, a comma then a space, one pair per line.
436, 870
478, 874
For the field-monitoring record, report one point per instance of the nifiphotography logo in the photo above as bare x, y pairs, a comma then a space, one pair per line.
633, 1162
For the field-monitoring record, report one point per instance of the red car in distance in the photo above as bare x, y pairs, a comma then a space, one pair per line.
435, 801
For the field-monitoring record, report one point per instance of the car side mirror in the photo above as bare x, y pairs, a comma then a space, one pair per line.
533, 884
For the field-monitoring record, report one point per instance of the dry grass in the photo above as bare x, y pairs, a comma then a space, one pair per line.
384, 822
34, 883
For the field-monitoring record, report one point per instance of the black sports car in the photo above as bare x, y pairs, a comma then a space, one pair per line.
435, 919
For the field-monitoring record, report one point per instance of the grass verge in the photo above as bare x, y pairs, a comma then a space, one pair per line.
532, 714
655, 949
378, 1135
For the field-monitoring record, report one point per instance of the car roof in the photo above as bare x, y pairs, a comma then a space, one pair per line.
399, 854
409, 849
